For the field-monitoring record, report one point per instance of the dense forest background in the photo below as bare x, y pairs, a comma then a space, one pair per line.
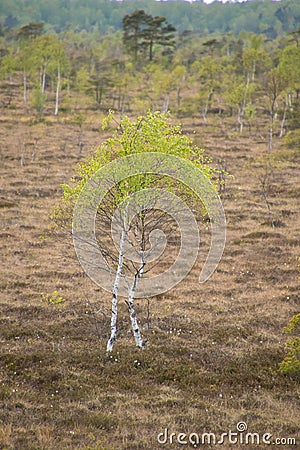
234, 60
256, 16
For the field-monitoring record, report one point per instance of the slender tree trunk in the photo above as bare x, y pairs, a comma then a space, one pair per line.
57, 91
151, 51
166, 104
25, 88
253, 70
122, 108
271, 129
178, 97
283, 117
242, 113
240, 119
99, 94
10, 92
134, 323
208, 99
119, 99
43, 80
114, 309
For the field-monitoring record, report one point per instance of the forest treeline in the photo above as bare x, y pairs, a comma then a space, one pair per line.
257, 16
149, 65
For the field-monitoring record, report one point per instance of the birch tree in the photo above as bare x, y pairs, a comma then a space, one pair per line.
47, 51
26, 37
255, 61
179, 75
274, 86
289, 66
7, 69
209, 72
131, 210
59, 65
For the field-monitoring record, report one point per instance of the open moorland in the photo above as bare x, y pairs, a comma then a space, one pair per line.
212, 372
213, 349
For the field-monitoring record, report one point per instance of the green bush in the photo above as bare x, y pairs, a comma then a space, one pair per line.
291, 363
292, 139
53, 299
38, 100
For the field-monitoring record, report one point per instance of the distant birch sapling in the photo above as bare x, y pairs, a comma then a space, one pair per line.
136, 219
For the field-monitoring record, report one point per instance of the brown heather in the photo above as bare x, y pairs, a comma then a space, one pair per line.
213, 349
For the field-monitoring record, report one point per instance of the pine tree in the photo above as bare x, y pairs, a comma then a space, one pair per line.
141, 32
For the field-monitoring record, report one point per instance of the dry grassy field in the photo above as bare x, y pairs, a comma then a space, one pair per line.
213, 349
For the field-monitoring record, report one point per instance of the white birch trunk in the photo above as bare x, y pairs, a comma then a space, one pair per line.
178, 97
57, 91
134, 323
25, 88
204, 111
166, 104
43, 79
283, 118
242, 113
271, 130
240, 120
208, 99
253, 70
114, 308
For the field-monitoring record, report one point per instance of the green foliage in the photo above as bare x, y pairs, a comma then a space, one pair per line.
53, 299
150, 133
293, 326
31, 31
143, 31
256, 16
291, 363
38, 100
8, 66
290, 65
78, 119
292, 139
222, 74
293, 117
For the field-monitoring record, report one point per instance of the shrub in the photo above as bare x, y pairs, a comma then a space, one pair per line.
291, 363
292, 139
53, 299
